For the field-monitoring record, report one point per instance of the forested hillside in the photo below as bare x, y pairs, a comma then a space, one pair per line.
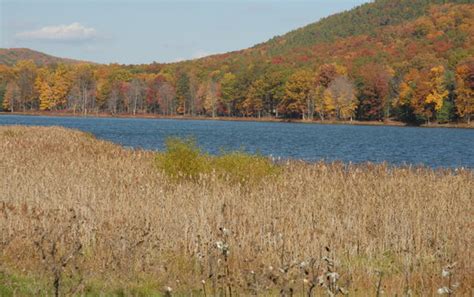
11, 56
407, 60
367, 19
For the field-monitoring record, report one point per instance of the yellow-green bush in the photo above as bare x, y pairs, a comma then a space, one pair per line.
184, 160
240, 167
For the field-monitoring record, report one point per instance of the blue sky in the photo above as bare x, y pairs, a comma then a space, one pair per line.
143, 31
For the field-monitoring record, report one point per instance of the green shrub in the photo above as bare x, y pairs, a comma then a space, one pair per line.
243, 168
184, 160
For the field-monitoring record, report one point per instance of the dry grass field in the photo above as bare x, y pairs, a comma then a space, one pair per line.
80, 216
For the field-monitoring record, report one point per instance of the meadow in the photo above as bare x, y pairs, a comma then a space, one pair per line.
82, 216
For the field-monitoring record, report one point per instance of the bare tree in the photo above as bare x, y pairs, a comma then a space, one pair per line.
342, 91
167, 95
137, 94
82, 93
211, 97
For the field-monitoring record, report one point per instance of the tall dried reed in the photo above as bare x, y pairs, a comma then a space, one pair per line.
119, 225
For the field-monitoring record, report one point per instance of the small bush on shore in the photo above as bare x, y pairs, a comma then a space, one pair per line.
183, 160
242, 168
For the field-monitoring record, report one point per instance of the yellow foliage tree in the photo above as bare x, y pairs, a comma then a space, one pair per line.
44, 89
299, 94
53, 88
423, 92
438, 91
329, 104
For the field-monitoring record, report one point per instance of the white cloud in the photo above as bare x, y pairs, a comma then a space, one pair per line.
72, 32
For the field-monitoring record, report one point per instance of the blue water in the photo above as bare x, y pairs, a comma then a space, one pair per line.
436, 147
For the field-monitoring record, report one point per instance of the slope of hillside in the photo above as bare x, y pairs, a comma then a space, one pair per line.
9, 56
366, 19
370, 20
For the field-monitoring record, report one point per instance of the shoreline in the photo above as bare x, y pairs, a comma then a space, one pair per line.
238, 119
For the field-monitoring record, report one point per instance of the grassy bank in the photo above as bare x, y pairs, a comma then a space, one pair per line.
89, 217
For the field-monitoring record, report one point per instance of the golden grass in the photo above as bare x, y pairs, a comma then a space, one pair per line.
105, 219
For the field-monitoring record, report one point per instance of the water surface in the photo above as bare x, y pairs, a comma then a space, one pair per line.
434, 147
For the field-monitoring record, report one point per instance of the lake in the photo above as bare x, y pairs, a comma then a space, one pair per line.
433, 147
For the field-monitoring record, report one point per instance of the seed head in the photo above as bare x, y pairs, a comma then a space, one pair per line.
303, 264
333, 277
444, 290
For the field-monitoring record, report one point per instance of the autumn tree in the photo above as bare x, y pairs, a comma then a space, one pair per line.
229, 90
340, 99
212, 98
83, 89
299, 99
11, 97
116, 95
465, 90
5, 77
253, 103
325, 75
264, 95
42, 84
153, 93
195, 104
137, 93
438, 92
274, 89
183, 93
423, 93
25, 76
374, 91
53, 87
167, 98
414, 98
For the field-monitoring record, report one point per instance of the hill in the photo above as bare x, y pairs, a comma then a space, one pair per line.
368, 22
367, 19
10, 56
405, 60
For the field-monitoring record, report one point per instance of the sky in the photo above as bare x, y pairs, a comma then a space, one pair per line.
145, 31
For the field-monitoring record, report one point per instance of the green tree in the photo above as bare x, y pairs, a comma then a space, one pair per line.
229, 90
299, 95
183, 93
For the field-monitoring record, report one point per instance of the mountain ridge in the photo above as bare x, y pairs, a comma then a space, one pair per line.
9, 57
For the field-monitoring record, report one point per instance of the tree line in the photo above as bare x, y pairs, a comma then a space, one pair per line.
326, 93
